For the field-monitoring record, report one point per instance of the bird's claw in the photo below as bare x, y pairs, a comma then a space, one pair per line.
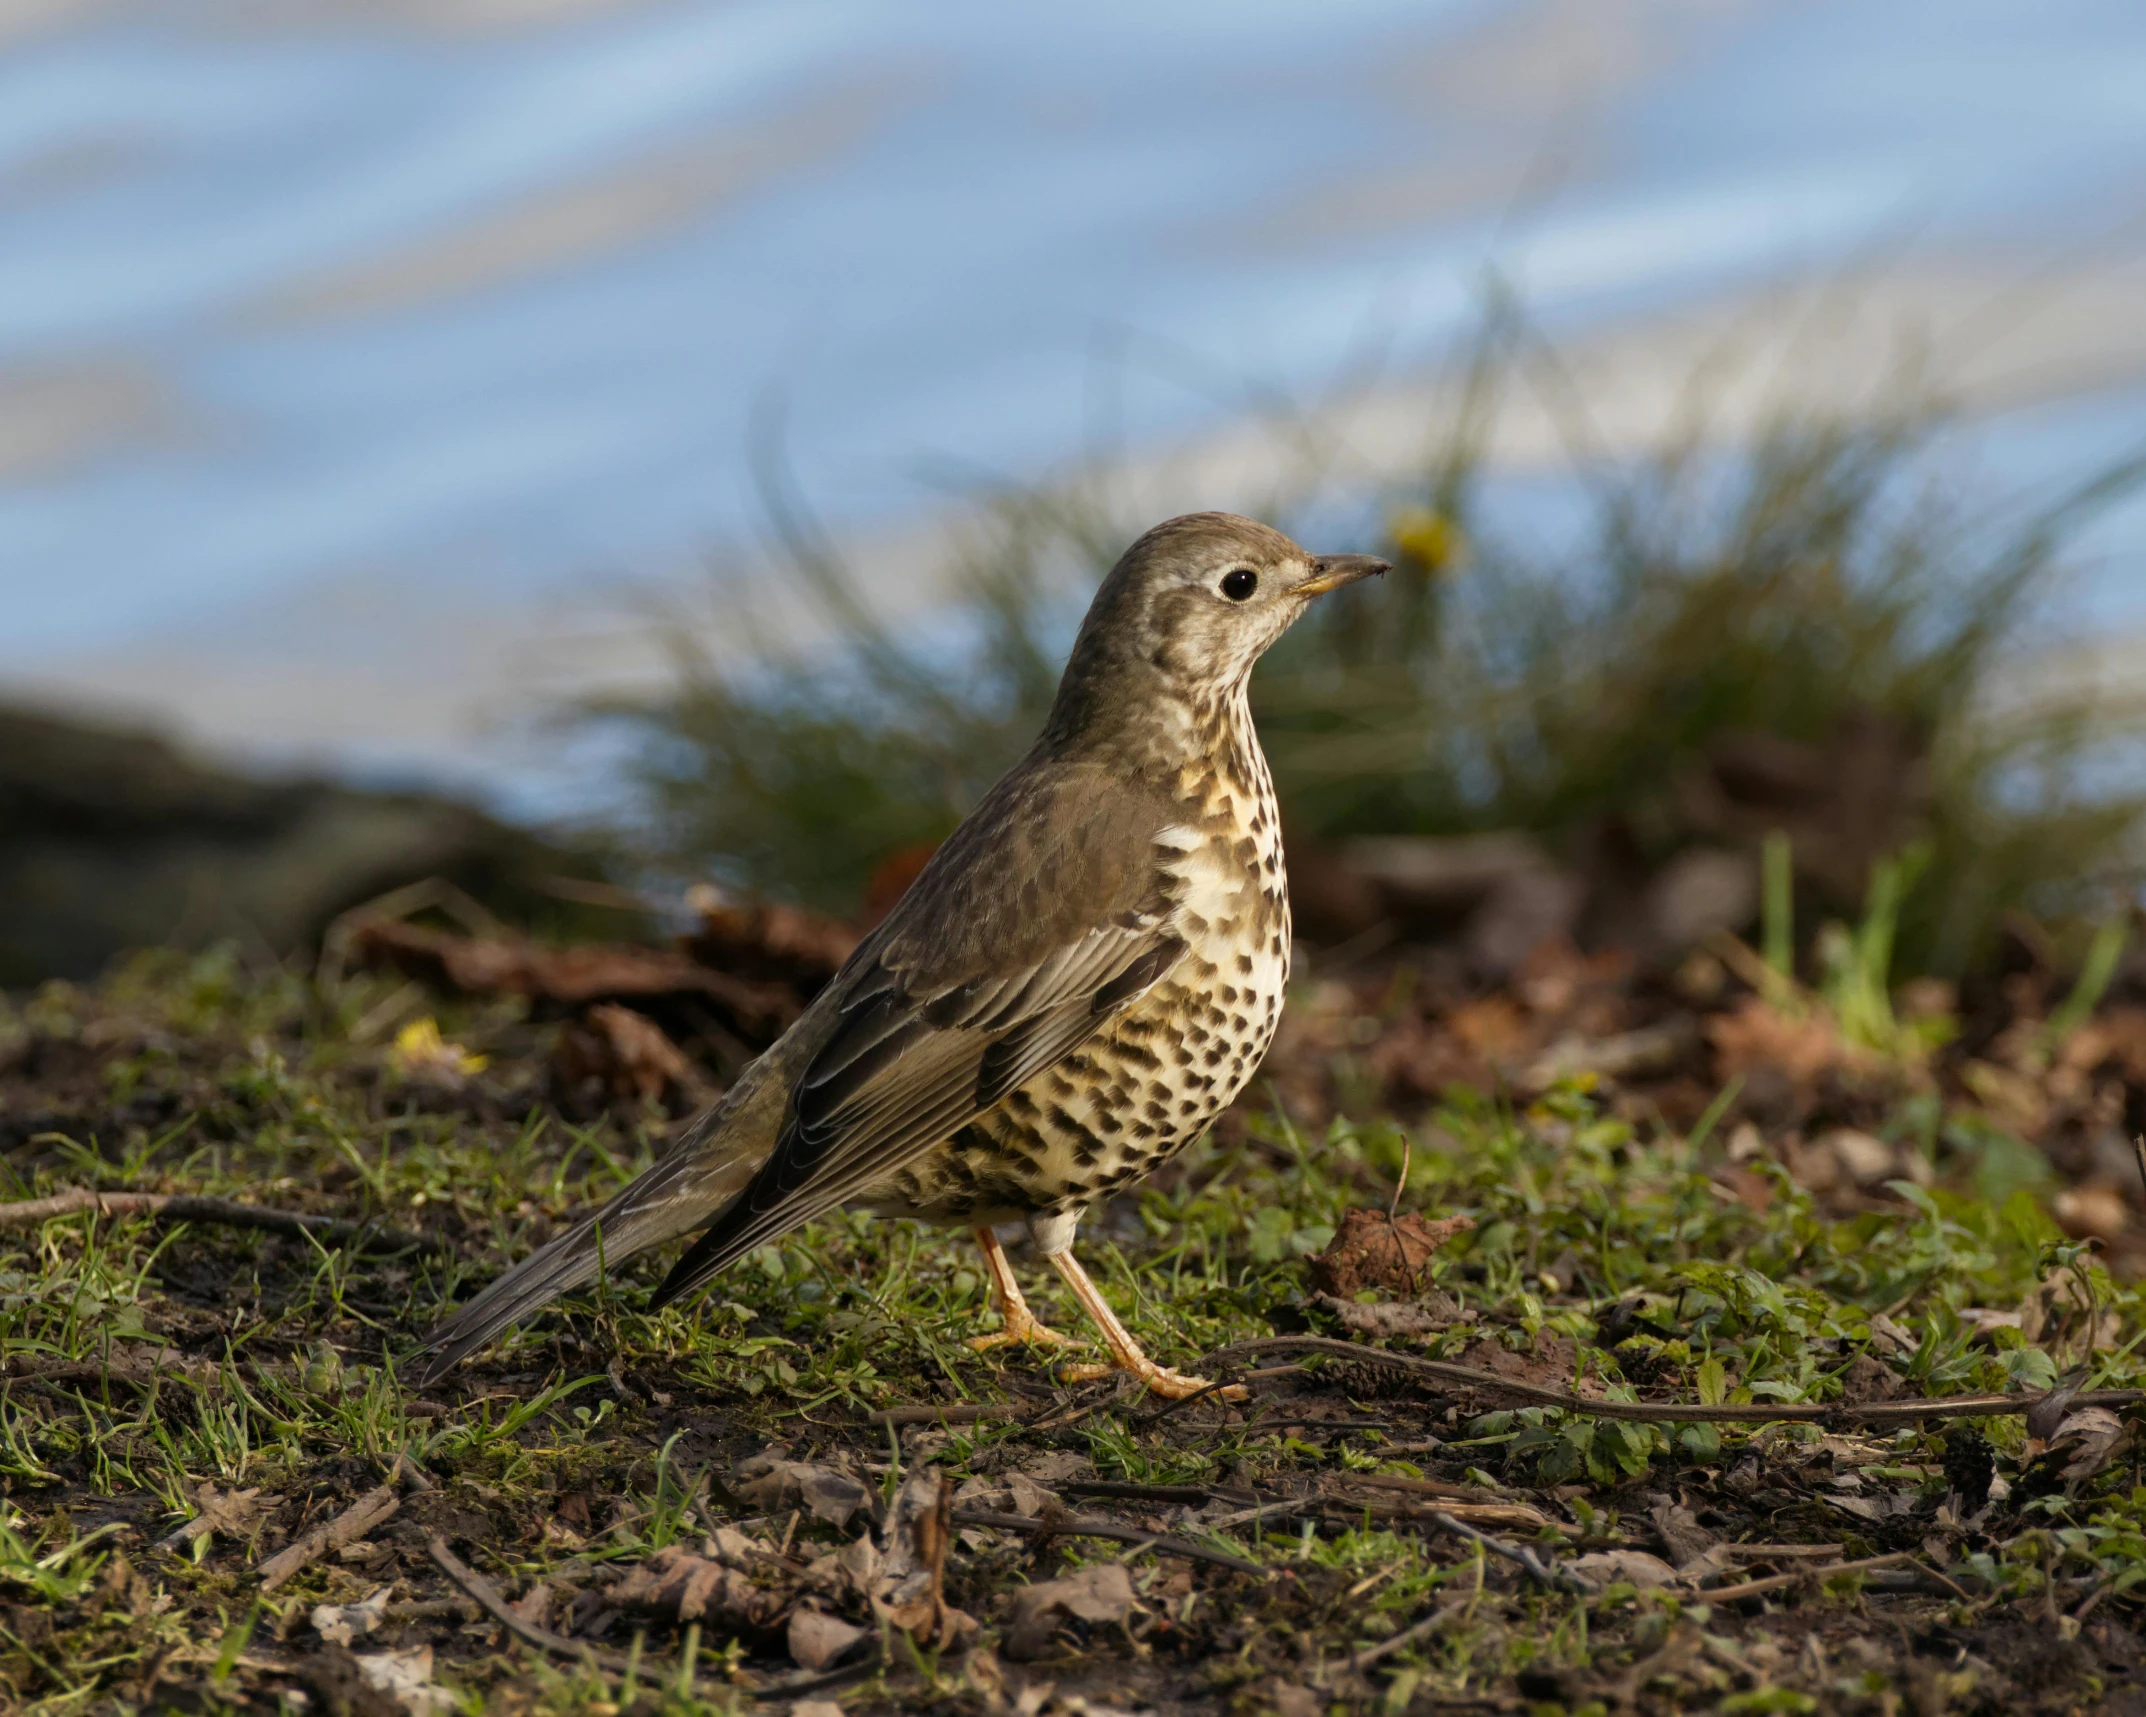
1021, 1332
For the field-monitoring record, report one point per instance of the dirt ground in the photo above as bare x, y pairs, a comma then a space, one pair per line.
805, 1490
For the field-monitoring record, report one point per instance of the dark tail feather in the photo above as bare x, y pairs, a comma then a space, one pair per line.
702, 1175
661, 1205
715, 1251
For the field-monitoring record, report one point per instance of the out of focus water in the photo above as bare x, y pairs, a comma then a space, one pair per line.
340, 337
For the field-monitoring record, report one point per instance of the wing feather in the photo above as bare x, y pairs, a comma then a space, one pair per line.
970, 990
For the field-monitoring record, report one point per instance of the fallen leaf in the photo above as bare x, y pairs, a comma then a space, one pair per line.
1373, 1250
1867, 1378
768, 1483
574, 977
683, 1587
1101, 1592
1029, 1497
909, 1592
339, 1624
233, 1515
831, 1496
534, 1605
1681, 1534
1056, 1466
819, 1640
406, 1678
2084, 1443
1632, 1567
628, 1055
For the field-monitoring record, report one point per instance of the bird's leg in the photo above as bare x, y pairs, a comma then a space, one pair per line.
1018, 1323
1125, 1354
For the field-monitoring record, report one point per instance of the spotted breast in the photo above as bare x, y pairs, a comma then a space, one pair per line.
1157, 1075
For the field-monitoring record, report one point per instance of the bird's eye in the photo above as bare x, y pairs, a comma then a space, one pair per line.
1239, 582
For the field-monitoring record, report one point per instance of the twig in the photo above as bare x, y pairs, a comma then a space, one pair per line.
486, 1596
1755, 1412
953, 1413
136, 1372
1795, 1577
1433, 1623
225, 1212
1265, 1511
375, 1506
1515, 1516
432, 1609
1180, 1495
1420, 1487
1536, 1568
1082, 1526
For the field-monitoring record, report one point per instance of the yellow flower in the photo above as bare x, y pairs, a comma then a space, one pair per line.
1427, 540
421, 1053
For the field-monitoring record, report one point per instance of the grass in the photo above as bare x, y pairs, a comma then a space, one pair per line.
1609, 1247
1820, 587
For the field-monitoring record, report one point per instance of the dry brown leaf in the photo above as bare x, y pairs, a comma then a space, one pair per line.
819, 1640
232, 1515
910, 1590
768, 1483
1376, 1251
1804, 1047
1633, 1567
628, 1055
1102, 1592
339, 1624
676, 1584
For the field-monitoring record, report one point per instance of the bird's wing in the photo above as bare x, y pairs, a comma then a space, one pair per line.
1045, 914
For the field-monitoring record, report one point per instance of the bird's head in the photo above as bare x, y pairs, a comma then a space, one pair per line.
1189, 608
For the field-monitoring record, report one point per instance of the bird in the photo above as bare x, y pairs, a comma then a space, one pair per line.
1082, 977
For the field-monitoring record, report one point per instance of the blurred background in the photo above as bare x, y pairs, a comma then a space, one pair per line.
576, 449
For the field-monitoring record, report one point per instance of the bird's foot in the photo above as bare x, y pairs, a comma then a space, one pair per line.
1160, 1380
1021, 1329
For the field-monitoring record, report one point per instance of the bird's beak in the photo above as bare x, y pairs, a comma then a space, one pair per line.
1332, 571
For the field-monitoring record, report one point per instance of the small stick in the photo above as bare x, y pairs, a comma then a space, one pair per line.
1517, 1516
375, 1506
1081, 1526
1796, 1577
1408, 1636
1265, 1511
1421, 1487
1180, 1495
1536, 1568
486, 1596
954, 1413
134, 1374
224, 1212
1802, 1413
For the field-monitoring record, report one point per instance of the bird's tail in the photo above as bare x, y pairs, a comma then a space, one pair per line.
696, 1179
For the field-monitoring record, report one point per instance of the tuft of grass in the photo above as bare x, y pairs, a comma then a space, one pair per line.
1816, 584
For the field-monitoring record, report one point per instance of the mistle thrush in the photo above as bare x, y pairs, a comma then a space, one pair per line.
1079, 981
